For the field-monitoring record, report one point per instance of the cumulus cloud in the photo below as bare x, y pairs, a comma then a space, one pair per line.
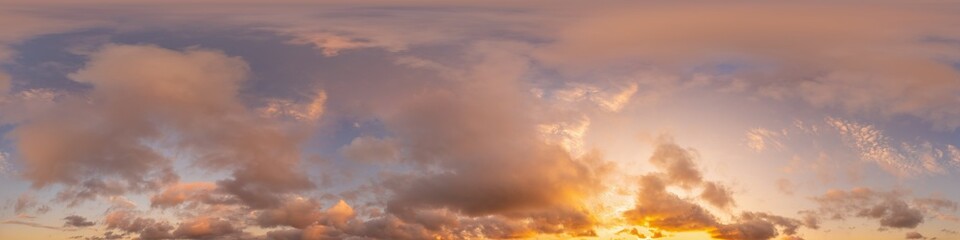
145, 99
664, 210
717, 195
661, 209
129, 222
463, 131
204, 228
892, 209
677, 164
297, 212
77, 221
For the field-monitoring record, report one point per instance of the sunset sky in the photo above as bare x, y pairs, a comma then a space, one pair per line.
429, 119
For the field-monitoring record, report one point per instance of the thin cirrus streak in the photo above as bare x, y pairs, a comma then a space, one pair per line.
479, 120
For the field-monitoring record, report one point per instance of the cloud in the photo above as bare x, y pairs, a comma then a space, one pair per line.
717, 195
112, 141
482, 136
612, 100
308, 111
21, 26
785, 186
130, 222
954, 153
889, 208
789, 55
914, 235
677, 164
4, 163
193, 194
632, 231
297, 212
24, 202
204, 228
907, 159
77, 221
27, 205
939, 207
568, 134
4, 83
331, 44
760, 139
31, 224
935, 203
660, 209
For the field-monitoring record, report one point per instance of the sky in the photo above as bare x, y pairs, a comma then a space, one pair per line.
282, 120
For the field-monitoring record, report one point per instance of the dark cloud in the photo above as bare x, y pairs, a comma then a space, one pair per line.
311, 221
914, 235
750, 229
298, 213
130, 222
286, 234
889, 208
77, 221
